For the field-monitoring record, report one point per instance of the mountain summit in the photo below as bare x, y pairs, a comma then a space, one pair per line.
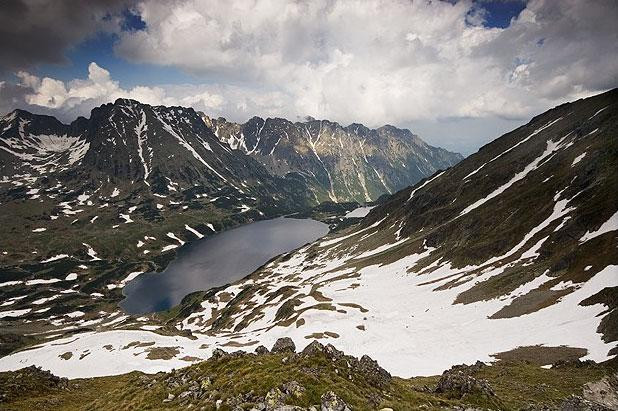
352, 163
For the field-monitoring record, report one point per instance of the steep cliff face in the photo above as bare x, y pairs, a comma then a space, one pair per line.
352, 163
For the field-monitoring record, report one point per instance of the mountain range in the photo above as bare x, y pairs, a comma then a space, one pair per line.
116, 194
508, 254
337, 163
134, 162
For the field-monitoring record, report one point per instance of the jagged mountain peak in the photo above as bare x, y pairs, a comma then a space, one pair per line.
352, 163
131, 140
127, 142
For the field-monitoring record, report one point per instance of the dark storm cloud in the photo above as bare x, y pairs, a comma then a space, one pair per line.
40, 31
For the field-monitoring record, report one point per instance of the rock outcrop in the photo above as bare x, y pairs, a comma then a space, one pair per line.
458, 381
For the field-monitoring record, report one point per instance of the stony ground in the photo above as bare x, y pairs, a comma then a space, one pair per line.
320, 377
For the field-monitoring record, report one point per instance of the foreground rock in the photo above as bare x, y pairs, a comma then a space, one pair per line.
283, 345
459, 382
319, 378
331, 402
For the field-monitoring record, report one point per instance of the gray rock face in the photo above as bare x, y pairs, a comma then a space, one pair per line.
283, 345
352, 163
261, 350
372, 370
331, 402
218, 353
459, 381
332, 352
576, 403
603, 392
313, 348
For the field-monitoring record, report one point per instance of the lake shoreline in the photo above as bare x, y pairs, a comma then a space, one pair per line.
197, 262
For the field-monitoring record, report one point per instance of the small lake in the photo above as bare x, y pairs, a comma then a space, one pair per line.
218, 260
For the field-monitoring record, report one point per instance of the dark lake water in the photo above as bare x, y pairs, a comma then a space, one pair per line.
218, 260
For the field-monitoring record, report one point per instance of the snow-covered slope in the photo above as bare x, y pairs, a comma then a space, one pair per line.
514, 246
37, 144
519, 236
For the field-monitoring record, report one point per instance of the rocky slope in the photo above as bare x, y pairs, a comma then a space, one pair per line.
319, 378
337, 163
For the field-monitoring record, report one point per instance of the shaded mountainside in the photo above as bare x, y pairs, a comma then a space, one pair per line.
352, 163
319, 378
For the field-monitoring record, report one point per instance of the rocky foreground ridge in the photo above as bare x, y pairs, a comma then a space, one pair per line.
320, 377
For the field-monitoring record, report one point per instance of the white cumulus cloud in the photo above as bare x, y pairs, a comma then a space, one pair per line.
429, 65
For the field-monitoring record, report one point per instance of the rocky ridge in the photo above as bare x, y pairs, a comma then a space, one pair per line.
337, 163
320, 377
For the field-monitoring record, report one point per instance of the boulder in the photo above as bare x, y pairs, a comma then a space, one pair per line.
283, 345
459, 382
313, 348
261, 350
331, 402
218, 353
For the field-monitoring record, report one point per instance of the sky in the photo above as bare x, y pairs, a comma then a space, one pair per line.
457, 73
